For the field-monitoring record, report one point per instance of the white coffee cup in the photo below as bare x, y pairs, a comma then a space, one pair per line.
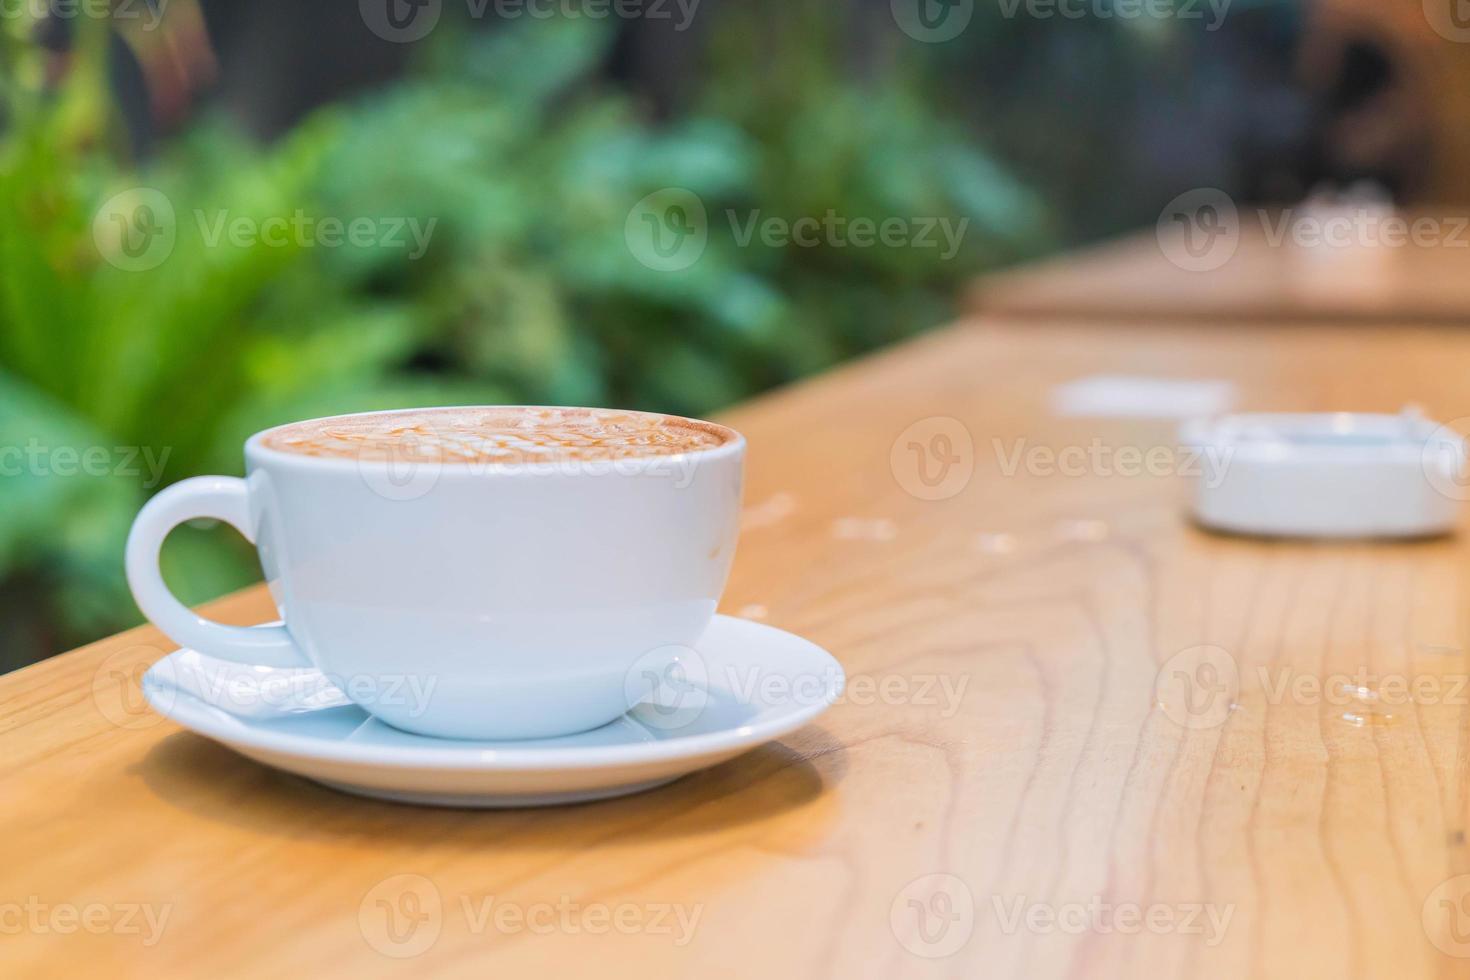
465, 599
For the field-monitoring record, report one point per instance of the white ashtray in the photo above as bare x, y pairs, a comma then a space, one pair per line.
1328, 475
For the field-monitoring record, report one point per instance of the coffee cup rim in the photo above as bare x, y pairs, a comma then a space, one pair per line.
256, 449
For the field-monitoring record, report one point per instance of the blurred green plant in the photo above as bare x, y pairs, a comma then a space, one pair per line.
528, 291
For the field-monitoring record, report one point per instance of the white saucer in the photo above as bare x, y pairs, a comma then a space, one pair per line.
1327, 474
758, 684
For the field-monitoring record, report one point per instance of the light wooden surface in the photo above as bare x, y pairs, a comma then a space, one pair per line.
1004, 727
1266, 277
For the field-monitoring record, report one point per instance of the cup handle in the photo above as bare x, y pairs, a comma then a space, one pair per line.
224, 498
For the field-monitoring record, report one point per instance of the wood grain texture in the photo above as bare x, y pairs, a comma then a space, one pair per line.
1003, 726
1267, 277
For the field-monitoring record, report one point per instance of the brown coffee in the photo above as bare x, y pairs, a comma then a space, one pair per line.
498, 434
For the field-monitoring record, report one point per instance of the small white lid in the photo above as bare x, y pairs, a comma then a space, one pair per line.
1328, 475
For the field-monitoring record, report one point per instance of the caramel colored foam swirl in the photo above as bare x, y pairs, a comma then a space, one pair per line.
491, 435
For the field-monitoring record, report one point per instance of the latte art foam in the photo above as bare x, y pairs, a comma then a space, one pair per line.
491, 435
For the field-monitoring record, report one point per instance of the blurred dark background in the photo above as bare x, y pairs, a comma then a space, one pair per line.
176, 181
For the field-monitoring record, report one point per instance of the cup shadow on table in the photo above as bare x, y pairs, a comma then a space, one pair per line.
200, 777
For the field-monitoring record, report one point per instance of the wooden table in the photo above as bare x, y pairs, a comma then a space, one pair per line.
1013, 786
1266, 277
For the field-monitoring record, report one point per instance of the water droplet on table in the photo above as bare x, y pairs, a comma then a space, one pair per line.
864, 529
996, 544
1084, 530
772, 510
1365, 707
